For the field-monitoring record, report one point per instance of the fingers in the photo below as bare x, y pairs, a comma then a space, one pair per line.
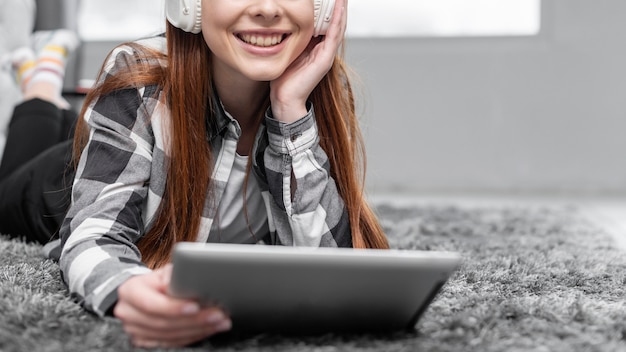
165, 274
149, 315
177, 337
327, 48
339, 20
148, 329
156, 325
147, 293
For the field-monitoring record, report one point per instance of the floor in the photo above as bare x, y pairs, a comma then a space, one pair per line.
607, 212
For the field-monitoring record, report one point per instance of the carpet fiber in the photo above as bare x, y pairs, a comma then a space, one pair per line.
533, 279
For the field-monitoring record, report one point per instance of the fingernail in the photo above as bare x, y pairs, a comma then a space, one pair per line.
191, 308
224, 326
215, 317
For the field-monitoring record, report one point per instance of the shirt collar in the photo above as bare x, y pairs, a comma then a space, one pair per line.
217, 119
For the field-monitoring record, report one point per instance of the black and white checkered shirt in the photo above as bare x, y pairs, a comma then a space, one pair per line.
121, 178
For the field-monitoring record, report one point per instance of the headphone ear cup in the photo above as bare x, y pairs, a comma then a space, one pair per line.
185, 14
323, 13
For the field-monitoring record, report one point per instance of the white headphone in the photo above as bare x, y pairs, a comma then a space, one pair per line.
186, 15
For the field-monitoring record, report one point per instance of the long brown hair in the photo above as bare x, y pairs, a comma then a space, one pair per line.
186, 83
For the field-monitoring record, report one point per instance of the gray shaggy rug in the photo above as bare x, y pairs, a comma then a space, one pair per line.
533, 279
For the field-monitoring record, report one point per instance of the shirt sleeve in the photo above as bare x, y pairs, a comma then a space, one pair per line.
305, 205
105, 219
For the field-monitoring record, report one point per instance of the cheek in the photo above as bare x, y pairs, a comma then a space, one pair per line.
211, 40
307, 19
217, 17
301, 13
214, 32
301, 46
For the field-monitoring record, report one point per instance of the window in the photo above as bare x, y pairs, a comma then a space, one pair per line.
120, 20
443, 18
129, 19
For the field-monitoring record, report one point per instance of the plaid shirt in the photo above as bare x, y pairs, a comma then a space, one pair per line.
121, 178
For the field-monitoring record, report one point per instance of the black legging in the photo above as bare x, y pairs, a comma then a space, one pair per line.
35, 173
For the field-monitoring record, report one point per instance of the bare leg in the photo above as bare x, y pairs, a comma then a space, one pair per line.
43, 90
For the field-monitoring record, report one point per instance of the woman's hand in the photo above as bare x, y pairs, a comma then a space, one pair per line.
289, 92
152, 318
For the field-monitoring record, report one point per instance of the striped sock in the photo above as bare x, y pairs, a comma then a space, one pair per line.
53, 50
23, 62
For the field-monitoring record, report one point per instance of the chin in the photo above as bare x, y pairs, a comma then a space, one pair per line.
263, 76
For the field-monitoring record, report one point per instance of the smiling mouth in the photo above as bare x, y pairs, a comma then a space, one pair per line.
262, 40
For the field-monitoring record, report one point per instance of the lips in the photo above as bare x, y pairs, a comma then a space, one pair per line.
262, 40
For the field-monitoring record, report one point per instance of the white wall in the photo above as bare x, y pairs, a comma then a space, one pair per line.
541, 115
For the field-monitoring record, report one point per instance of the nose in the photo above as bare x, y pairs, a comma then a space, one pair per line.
267, 10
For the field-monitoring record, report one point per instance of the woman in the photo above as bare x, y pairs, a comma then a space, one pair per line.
243, 132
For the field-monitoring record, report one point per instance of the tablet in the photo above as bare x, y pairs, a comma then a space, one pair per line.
306, 290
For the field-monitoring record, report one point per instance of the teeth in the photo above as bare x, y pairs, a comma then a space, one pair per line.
262, 41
